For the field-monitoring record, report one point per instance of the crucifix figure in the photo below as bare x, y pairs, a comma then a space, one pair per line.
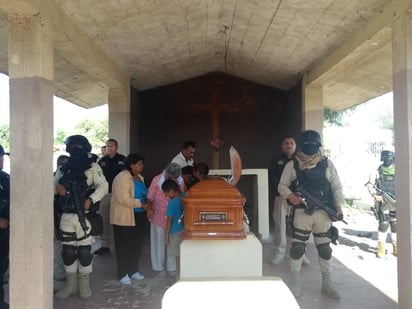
215, 108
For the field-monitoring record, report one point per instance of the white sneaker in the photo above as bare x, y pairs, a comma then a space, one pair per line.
277, 259
126, 280
137, 276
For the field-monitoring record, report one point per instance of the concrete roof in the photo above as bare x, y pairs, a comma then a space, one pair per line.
342, 45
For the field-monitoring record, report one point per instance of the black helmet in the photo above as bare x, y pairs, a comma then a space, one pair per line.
310, 136
385, 154
78, 140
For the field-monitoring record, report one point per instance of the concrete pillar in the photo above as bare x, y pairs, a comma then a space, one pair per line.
312, 106
30, 48
402, 94
119, 117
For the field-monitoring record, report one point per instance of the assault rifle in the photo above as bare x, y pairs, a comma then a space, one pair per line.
312, 203
78, 200
377, 208
387, 197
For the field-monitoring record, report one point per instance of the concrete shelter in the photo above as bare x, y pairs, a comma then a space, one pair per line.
245, 70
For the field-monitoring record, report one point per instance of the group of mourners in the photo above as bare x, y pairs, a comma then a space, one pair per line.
116, 207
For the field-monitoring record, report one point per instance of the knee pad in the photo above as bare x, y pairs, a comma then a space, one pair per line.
393, 226
69, 254
297, 250
84, 254
383, 226
324, 251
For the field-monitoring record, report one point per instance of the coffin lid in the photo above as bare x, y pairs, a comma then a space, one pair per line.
214, 188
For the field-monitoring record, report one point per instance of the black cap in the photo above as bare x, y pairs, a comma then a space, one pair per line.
2, 152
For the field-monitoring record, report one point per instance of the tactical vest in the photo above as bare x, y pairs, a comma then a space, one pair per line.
77, 177
386, 180
314, 181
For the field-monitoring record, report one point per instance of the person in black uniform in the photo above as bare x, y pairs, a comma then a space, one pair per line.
4, 225
112, 164
281, 209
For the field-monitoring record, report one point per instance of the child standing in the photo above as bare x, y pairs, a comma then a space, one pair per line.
157, 201
174, 225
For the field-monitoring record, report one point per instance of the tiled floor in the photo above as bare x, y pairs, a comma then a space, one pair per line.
363, 280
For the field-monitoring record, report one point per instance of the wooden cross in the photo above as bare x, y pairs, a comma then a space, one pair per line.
215, 108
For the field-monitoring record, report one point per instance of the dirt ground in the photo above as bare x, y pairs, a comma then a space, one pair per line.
357, 250
364, 281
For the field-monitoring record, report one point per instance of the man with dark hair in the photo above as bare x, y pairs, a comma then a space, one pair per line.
4, 225
280, 207
112, 164
313, 173
186, 155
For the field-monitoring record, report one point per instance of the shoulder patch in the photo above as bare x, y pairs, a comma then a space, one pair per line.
99, 173
281, 162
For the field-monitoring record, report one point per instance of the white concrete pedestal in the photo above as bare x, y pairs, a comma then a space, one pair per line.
221, 258
239, 293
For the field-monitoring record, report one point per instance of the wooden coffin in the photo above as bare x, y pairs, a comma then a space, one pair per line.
213, 209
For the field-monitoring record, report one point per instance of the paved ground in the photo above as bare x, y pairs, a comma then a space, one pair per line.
364, 281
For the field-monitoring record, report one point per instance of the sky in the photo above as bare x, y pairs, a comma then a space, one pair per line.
64, 111
366, 114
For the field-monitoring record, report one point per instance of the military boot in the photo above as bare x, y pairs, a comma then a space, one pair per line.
295, 283
327, 287
84, 286
71, 286
395, 248
295, 267
380, 253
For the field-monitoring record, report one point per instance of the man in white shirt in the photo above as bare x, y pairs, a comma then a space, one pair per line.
186, 156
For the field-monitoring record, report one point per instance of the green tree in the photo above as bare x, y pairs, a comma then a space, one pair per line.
95, 131
336, 118
60, 137
386, 120
5, 137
